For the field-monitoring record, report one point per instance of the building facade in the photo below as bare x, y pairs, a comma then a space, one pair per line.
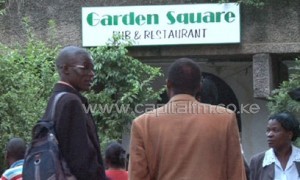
270, 41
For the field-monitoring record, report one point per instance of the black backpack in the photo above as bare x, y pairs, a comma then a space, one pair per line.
43, 160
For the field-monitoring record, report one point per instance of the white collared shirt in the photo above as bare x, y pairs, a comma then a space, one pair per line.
290, 172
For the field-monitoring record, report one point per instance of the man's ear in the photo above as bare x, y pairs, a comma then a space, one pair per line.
169, 88
198, 92
290, 135
65, 69
199, 89
7, 158
169, 84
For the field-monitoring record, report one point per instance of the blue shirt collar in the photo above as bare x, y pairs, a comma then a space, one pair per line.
17, 163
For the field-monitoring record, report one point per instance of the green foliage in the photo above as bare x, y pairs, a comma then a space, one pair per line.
126, 86
26, 80
28, 74
2, 7
280, 100
255, 3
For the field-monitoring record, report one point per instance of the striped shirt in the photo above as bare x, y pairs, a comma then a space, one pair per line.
14, 172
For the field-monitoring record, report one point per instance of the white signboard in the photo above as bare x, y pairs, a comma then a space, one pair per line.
162, 24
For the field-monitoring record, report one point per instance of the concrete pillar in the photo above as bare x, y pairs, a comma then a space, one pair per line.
263, 76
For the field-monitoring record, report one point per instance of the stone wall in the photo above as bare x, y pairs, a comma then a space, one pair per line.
274, 28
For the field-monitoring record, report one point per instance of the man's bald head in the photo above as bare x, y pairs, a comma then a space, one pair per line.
75, 67
68, 54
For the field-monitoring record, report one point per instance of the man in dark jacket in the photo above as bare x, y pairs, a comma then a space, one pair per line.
75, 127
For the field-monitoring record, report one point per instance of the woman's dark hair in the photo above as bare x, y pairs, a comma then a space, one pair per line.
115, 155
288, 122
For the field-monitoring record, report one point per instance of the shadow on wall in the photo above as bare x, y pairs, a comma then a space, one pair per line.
214, 91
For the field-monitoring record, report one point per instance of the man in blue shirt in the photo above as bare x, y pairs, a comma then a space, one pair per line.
15, 151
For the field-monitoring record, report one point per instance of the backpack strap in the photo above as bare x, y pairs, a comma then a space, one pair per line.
56, 98
51, 121
45, 125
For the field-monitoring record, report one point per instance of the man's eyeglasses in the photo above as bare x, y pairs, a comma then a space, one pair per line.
85, 69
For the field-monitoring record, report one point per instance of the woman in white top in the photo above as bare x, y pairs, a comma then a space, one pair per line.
282, 160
